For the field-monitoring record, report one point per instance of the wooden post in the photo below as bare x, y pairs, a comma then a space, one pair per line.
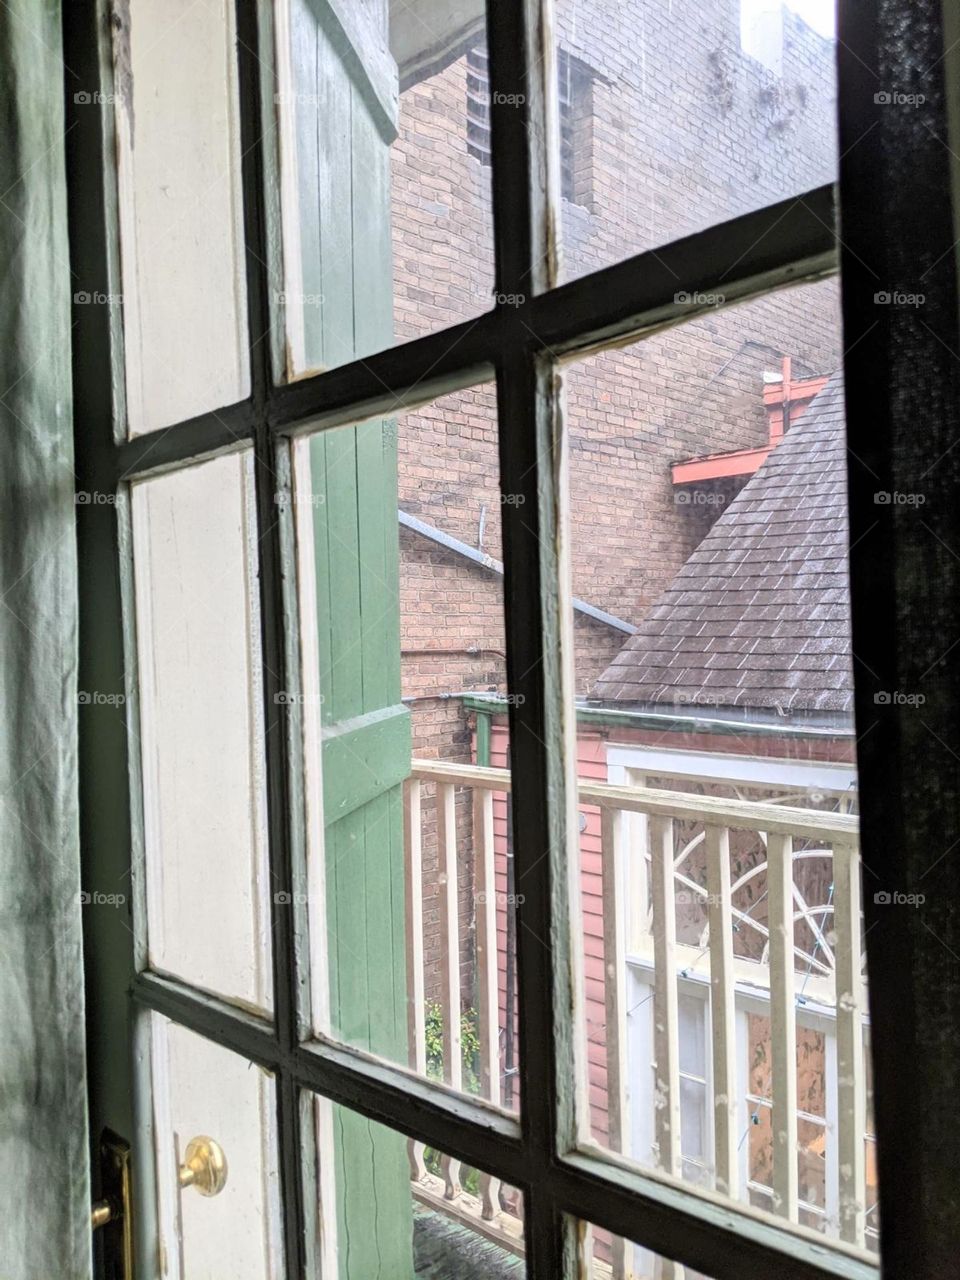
851, 1087
783, 1025
449, 961
489, 1028
722, 1011
612, 836
416, 1011
666, 1016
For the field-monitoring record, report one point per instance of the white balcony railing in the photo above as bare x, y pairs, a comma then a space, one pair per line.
802, 949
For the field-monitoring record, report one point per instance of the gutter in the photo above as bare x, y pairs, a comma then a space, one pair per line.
491, 704
484, 561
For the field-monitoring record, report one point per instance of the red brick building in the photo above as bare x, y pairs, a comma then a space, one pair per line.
744, 130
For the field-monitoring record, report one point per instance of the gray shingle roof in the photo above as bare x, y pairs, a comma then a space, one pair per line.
759, 614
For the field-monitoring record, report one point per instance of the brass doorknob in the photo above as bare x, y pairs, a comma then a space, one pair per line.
204, 1166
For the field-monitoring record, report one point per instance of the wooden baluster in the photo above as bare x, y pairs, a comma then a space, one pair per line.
416, 1003
722, 1011
612, 835
449, 961
783, 1024
489, 1029
851, 1080
666, 1017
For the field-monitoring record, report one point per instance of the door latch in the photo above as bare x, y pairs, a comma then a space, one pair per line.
112, 1215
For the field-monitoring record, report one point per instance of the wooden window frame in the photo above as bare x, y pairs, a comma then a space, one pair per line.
890, 373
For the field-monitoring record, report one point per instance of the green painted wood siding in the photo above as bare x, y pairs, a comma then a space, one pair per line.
345, 245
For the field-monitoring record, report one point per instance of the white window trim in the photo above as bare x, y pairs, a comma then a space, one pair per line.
718, 766
640, 1056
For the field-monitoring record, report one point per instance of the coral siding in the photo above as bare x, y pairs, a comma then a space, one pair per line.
592, 746
592, 763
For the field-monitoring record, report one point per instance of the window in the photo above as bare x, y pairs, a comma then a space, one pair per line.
291, 496
478, 106
574, 93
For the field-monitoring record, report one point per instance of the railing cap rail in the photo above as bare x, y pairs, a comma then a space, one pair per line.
746, 815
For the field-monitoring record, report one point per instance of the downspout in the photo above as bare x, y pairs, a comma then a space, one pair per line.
509, 1066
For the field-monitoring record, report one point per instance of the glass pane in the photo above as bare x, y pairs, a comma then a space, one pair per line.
404, 717
200, 1091
199, 671
870, 1144
677, 116
181, 225
435, 1218
387, 230
605, 1256
713, 665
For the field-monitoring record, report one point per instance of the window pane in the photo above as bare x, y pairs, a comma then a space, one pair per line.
714, 692
387, 228
674, 117
199, 670
202, 1091
603, 1255
435, 1219
403, 704
181, 226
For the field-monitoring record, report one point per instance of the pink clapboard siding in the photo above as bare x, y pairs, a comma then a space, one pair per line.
591, 763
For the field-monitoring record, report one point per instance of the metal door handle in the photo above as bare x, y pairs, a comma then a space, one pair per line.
204, 1166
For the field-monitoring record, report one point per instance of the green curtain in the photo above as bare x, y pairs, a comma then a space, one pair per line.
44, 1225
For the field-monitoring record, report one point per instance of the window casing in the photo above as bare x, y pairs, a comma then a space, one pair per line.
542, 1155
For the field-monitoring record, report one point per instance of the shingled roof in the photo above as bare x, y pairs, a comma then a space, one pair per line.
758, 617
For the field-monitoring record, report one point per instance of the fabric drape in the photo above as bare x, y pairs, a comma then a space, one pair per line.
44, 1226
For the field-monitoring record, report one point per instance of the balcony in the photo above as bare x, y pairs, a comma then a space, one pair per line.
723, 1015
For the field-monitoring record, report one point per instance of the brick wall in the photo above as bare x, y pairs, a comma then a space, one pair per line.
677, 129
